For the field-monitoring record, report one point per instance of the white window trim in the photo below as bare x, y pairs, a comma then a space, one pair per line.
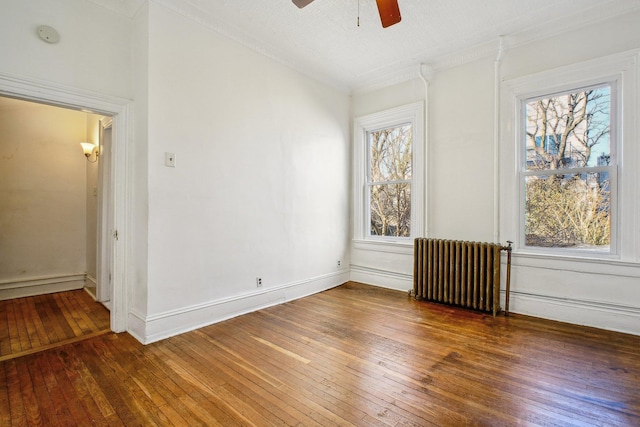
410, 113
612, 170
622, 71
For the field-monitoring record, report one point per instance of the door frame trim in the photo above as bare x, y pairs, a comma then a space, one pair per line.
121, 110
105, 227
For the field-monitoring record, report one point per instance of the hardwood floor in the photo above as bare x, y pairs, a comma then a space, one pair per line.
353, 355
31, 324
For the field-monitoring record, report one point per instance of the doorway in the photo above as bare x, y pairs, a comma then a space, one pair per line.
49, 200
114, 239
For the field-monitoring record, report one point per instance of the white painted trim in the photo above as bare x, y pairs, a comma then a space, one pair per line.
598, 314
121, 110
170, 323
26, 287
496, 140
613, 317
381, 278
402, 72
606, 267
414, 114
90, 279
621, 68
424, 74
383, 246
104, 251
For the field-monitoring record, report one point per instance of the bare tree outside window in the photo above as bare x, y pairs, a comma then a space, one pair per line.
567, 170
389, 180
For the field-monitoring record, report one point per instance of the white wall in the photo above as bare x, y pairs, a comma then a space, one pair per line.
260, 186
94, 51
42, 199
139, 169
460, 204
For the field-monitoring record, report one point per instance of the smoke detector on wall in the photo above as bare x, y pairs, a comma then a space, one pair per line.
48, 34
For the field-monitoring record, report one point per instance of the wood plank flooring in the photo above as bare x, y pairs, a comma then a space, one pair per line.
31, 324
353, 355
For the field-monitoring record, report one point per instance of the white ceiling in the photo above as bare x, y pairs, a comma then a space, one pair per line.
324, 41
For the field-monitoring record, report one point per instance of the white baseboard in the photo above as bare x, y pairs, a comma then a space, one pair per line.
148, 329
41, 285
598, 314
613, 317
381, 278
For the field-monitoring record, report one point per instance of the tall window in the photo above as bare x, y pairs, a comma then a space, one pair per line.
388, 175
568, 169
389, 180
570, 163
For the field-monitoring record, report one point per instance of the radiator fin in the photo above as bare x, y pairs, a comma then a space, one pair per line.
460, 273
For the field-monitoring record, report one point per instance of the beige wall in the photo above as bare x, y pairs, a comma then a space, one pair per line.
43, 198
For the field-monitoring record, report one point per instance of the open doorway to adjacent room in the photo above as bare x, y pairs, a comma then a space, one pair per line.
55, 204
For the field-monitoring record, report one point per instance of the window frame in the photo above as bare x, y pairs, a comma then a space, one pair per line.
612, 168
621, 71
407, 114
369, 183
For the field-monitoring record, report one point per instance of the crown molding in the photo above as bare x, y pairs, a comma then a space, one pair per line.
397, 73
195, 10
128, 8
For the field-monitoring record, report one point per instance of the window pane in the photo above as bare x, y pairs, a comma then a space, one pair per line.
569, 130
391, 210
390, 154
568, 211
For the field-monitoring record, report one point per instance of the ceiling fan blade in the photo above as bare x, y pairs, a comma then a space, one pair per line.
389, 12
301, 3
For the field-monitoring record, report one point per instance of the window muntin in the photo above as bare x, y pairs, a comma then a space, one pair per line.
568, 172
389, 176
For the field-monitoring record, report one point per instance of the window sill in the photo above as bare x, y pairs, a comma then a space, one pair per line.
395, 247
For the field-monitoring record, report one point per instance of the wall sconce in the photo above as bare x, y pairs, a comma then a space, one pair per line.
88, 149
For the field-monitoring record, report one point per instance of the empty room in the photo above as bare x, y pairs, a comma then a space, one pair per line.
320, 212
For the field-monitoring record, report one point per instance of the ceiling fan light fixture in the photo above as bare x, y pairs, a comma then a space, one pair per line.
301, 3
388, 9
389, 12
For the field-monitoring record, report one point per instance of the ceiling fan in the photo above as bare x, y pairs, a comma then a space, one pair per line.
388, 9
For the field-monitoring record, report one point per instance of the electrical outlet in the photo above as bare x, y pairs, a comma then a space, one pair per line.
339, 263
259, 282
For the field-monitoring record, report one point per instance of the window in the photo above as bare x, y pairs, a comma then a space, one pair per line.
389, 175
389, 180
569, 162
568, 172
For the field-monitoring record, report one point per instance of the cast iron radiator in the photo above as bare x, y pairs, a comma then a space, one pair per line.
460, 273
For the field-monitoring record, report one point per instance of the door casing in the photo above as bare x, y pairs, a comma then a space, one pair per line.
114, 237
